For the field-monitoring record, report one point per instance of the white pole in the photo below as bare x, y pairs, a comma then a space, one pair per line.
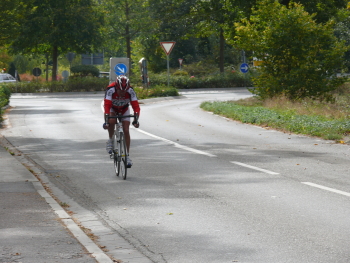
168, 69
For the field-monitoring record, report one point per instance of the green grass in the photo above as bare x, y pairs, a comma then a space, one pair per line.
315, 118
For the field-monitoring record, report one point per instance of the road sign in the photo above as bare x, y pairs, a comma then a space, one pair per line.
36, 72
167, 46
244, 68
180, 61
121, 69
65, 74
113, 68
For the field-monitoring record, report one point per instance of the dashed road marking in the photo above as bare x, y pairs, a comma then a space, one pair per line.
254, 168
177, 145
327, 188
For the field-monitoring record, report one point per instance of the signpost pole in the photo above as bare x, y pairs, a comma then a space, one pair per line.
167, 58
244, 68
168, 47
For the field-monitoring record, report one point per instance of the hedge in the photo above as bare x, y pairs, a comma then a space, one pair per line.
5, 94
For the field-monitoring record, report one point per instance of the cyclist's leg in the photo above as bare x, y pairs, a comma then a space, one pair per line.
126, 131
112, 123
126, 125
109, 143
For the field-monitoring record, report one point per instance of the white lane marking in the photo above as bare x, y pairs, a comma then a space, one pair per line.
177, 145
255, 168
327, 188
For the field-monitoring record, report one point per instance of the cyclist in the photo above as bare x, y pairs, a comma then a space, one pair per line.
118, 96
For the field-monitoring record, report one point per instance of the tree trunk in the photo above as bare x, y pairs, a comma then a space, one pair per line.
54, 60
47, 67
127, 34
222, 50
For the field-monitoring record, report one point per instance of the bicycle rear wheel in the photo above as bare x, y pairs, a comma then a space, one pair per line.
116, 152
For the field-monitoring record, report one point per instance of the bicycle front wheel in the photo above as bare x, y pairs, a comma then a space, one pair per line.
123, 156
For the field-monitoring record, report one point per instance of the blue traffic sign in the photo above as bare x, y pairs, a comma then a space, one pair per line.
244, 68
121, 69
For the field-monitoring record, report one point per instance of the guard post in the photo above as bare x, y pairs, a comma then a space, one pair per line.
144, 72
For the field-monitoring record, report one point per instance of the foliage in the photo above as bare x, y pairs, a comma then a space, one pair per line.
300, 56
10, 14
156, 91
72, 85
342, 32
180, 73
126, 19
5, 94
209, 81
50, 26
324, 10
286, 120
85, 70
5, 58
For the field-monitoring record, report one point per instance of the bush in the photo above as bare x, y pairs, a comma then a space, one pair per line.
300, 55
212, 81
180, 73
157, 91
85, 70
72, 85
5, 94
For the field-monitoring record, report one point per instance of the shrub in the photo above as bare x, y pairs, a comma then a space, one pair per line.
85, 70
300, 55
73, 84
5, 94
209, 81
156, 91
180, 73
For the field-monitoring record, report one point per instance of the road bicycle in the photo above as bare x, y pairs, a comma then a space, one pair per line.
120, 152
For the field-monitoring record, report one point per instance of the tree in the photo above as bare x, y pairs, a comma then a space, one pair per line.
126, 20
212, 17
323, 9
10, 14
50, 26
300, 57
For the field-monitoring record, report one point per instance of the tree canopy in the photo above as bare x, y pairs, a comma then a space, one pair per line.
55, 27
296, 40
300, 56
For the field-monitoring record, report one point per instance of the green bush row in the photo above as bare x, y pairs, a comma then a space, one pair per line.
284, 120
72, 85
5, 94
157, 91
227, 80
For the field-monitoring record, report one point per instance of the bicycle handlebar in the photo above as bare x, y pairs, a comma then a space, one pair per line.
119, 117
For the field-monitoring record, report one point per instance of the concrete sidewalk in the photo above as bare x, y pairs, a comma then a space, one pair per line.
30, 230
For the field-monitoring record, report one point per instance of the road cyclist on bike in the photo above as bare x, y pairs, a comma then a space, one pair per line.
118, 96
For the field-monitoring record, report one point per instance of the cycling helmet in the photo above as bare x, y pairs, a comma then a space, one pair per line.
123, 82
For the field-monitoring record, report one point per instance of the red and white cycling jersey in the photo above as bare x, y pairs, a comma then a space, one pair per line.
120, 104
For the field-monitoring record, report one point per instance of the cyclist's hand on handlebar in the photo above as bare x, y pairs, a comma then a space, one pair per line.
136, 124
105, 126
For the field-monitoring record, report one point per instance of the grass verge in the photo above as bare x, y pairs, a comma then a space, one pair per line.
326, 120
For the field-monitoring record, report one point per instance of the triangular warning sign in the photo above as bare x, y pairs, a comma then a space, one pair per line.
167, 46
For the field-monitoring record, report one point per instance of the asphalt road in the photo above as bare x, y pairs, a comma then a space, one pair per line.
202, 188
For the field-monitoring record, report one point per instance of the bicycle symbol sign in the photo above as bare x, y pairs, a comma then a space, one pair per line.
121, 69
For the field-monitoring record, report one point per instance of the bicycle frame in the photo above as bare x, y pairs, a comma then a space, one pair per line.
120, 152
